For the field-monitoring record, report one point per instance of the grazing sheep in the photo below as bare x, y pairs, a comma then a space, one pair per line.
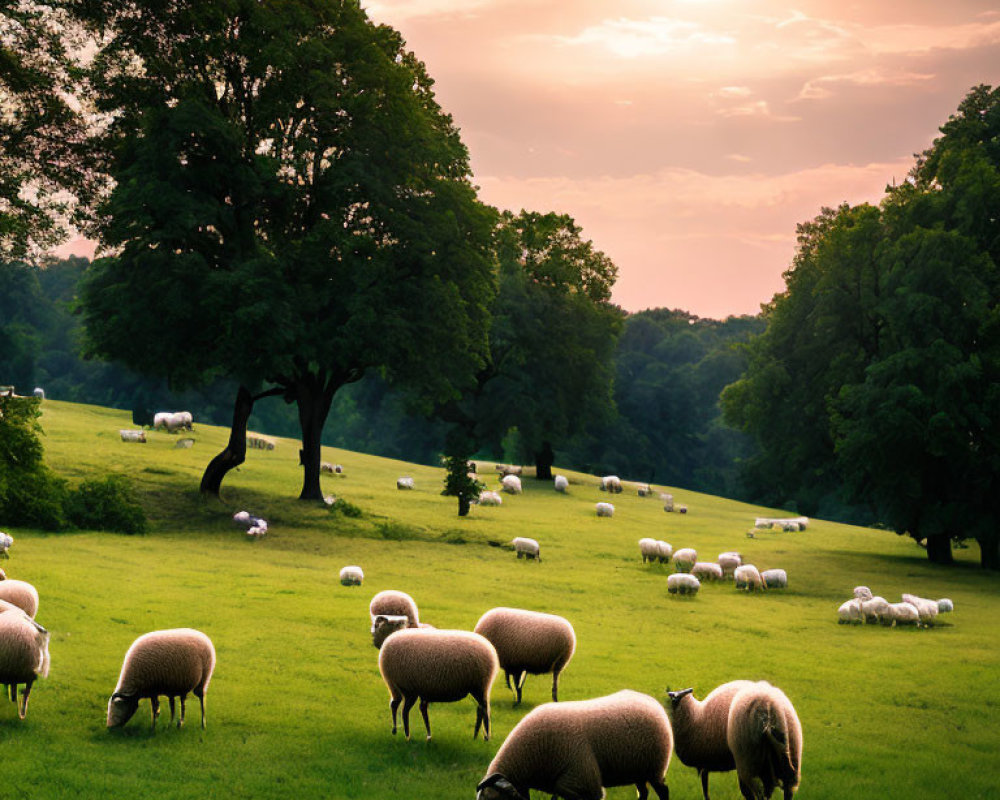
747, 576
243, 518
574, 750
665, 549
561, 482
682, 509
729, 561
876, 610
405, 482
258, 529
528, 643
438, 667
643, 490
649, 549
700, 729
392, 602
945, 606
668, 502
774, 578
6, 540
509, 469
326, 466
605, 510
352, 576
22, 594
526, 548
707, 571
132, 436
683, 583
384, 625
172, 663
510, 484
258, 441
490, 499
850, 612
611, 483
862, 593
684, 559
904, 614
38, 392
172, 422
927, 609
24, 654
765, 738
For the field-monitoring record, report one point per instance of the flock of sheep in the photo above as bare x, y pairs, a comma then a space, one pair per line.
865, 607
691, 572
576, 749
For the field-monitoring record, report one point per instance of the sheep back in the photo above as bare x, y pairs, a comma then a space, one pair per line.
24, 649
683, 583
22, 594
700, 728
392, 602
775, 578
685, 558
707, 570
747, 576
528, 641
765, 737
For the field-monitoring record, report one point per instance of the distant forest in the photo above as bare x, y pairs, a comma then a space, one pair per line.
670, 367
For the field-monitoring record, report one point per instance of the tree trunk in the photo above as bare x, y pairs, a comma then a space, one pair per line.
543, 462
236, 450
989, 552
463, 505
939, 549
313, 396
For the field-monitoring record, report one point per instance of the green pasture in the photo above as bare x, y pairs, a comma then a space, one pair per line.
297, 708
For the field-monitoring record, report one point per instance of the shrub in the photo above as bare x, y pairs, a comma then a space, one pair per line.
106, 504
348, 509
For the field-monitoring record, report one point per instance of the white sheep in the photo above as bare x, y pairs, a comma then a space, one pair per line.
729, 561
561, 483
575, 749
186, 419
649, 549
132, 436
22, 594
526, 548
775, 578
927, 609
528, 643
258, 529
666, 551
945, 606
510, 484
862, 593
668, 502
707, 571
701, 727
170, 662
38, 392
509, 469
685, 558
258, 441
352, 575
682, 509
765, 737
24, 654
643, 490
605, 510
876, 610
6, 541
611, 483
170, 421
904, 614
747, 576
435, 666
405, 482
683, 583
487, 498
394, 603
850, 611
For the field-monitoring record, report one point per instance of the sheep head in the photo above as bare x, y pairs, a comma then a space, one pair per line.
121, 707
497, 787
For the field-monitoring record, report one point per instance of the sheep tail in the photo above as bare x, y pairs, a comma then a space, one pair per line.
43, 655
779, 757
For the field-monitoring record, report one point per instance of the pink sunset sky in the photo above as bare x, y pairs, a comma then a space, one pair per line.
689, 137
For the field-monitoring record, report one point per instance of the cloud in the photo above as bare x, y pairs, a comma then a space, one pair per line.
823, 87
757, 108
733, 91
396, 11
636, 38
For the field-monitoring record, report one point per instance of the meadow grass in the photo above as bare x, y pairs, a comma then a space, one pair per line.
297, 707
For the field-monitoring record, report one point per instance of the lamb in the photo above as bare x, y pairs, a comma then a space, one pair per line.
438, 667
22, 594
561, 483
683, 583
775, 578
528, 643
649, 549
611, 483
707, 570
526, 548
684, 559
747, 576
945, 606
170, 662
490, 499
700, 729
394, 603
904, 614
668, 502
510, 484
352, 575
643, 490
849, 612
665, 549
405, 482
927, 609
575, 749
765, 737
24, 655
876, 610
132, 436
729, 561
605, 510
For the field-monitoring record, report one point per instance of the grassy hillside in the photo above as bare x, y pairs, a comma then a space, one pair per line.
297, 707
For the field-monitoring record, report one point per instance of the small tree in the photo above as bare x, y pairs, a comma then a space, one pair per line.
458, 482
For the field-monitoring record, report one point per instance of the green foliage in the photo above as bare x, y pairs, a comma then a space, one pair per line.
345, 508
107, 504
459, 482
29, 493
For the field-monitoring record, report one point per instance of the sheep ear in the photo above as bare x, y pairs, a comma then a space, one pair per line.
489, 780
675, 696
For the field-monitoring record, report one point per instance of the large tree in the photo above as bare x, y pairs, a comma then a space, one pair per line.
291, 207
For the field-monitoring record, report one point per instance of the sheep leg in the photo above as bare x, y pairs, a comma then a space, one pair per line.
662, 792
24, 698
555, 687
154, 704
183, 702
642, 791
170, 700
520, 686
482, 718
427, 722
506, 677
393, 705
12, 691
407, 705
704, 782
201, 698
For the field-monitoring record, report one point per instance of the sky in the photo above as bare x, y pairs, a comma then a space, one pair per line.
687, 138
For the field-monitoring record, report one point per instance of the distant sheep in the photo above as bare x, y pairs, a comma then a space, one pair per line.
169, 662
528, 643
747, 577
257, 441
611, 483
24, 655
685, 558
862, 593
132, 436
509, 469
876, 610
170, 421
765, 738
683, 583
850, 612
487, 498
575, 749
438, 667
6, 541
927, 609
666, 551
643, 490
352, 575
526, 548
904, 614
22, 594
707, 571
782, 523
255, 526
668, 502
561, 483
945, 606
682, 509
394, 602
405, 482
729, 561
605, 510
333, 469
649, 550
510, 484
38, 392
775, 578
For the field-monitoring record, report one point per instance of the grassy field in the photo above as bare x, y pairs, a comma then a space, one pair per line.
297, 707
